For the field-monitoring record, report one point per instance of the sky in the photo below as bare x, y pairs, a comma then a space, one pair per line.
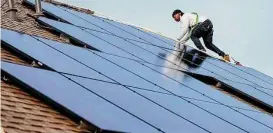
242, 28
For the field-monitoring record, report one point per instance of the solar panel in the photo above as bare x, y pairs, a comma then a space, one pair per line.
249, 78
251, 85
256, 74
80, 101
176, 105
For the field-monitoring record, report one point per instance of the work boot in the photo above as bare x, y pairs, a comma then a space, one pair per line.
226, 58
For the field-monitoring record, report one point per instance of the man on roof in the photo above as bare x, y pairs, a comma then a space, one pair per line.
194, 27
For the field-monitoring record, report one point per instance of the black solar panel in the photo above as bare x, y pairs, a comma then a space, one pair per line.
256, 74
256, 87
183, 104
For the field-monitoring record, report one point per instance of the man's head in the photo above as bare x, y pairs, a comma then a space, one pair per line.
177, 14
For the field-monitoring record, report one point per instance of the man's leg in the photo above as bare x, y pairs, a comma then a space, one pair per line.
207, 28
208, 43
195, 35
197, 42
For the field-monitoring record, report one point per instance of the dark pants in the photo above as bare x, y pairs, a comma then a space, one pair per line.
205, 30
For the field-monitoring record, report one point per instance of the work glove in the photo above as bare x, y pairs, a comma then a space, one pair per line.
203, 50
179, 47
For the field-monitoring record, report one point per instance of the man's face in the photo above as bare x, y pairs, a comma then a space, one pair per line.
176, 17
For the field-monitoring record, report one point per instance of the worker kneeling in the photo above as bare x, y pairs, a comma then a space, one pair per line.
195, 27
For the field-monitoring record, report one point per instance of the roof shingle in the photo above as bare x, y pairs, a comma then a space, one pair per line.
21, 112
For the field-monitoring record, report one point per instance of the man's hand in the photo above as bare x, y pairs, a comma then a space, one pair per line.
177, 46
203, 50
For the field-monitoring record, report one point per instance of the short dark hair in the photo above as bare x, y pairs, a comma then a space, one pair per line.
176, 11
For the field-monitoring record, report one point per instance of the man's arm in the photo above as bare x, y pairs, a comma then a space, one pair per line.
185, 38
185, 29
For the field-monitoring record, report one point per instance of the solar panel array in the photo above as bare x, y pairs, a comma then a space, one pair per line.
100, 33
122, 87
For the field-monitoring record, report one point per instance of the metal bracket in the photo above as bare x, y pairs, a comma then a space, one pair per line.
5, 78
64, 37
38, 15
40, 64
81, 125
34, 64
218, 85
